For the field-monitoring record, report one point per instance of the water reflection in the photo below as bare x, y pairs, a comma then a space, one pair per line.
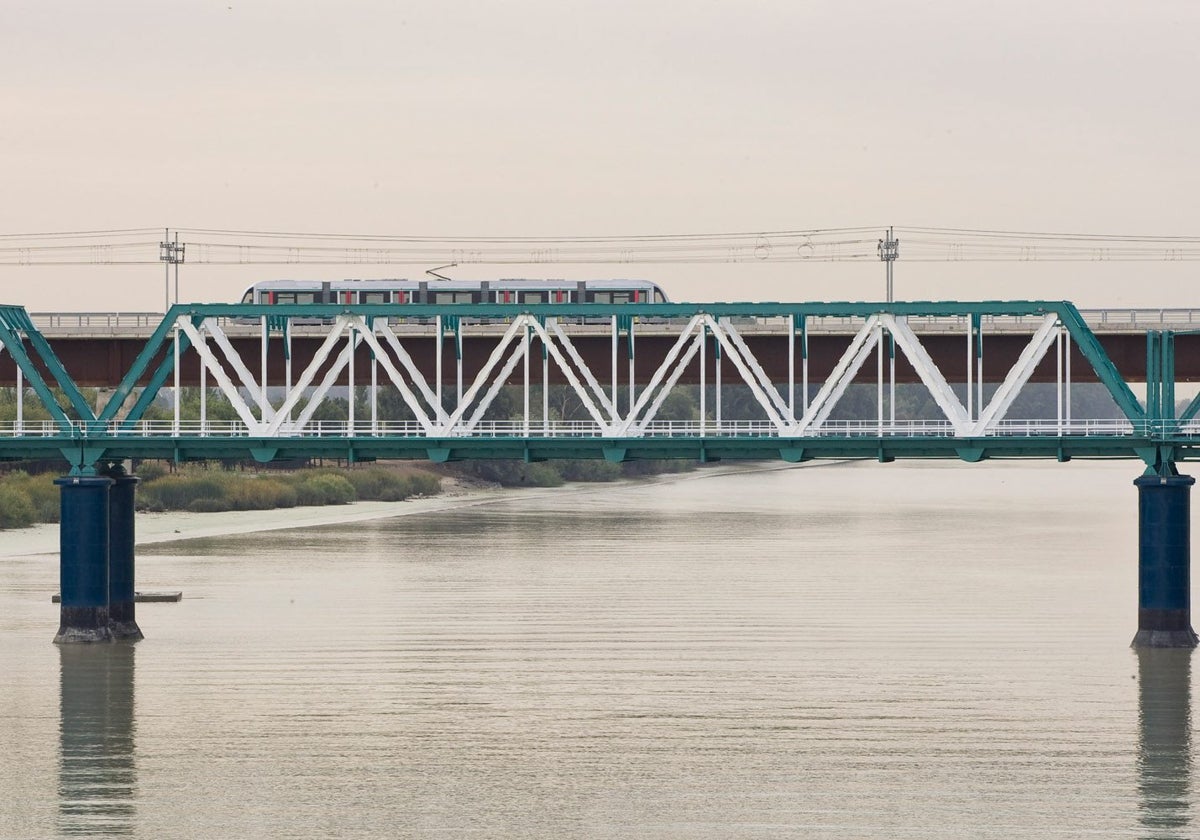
97, 775
1165, 746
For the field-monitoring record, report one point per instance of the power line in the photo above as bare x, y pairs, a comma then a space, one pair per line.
210, 246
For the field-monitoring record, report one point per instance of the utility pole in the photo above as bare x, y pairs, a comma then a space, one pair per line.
889, 250
171, 254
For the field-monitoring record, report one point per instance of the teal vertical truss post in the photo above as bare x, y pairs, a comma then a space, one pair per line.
121, 619
83, 559
1164, 561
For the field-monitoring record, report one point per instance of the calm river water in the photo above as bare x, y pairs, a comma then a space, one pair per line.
843, 651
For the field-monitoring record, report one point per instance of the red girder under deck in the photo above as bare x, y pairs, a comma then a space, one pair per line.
101, 362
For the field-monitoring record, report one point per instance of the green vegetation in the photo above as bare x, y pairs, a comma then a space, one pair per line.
26, 499
203, 490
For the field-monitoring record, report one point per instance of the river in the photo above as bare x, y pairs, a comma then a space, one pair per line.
825, 650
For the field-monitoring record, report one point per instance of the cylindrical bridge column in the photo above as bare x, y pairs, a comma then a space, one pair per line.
121, 618
83, 559
1164, 561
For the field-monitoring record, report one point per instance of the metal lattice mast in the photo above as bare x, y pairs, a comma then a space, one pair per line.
889, 250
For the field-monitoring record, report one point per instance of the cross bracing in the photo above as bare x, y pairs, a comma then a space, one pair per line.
448, 367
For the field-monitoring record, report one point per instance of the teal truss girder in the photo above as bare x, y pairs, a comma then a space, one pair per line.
368, 355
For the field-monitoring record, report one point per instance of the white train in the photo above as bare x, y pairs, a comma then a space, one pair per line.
454, 291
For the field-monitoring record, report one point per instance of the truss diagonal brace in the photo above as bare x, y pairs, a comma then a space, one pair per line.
656, 380
928, 371
752, 373
258, 392
406, 360
592, 382
843, 372
1017, 376
227, 387
694, 346
497, 354
406, 393
569, 373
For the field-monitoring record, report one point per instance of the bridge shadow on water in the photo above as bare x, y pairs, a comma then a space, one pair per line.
97, 773
1164, 741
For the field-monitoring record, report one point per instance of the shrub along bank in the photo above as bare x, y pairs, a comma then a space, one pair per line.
209, 488
26, 499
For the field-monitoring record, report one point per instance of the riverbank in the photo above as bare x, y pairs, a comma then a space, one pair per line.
170, 526
184, 525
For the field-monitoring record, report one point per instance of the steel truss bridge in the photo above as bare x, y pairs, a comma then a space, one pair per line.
447, 365
417, 351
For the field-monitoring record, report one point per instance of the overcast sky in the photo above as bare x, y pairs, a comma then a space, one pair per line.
535, 118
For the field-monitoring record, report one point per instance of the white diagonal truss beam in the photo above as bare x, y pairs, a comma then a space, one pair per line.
410, 367
224, 383
518, 326
406, 393
340, 363
840, 378
763, 391
928, 371
589, 377
605, 424
669, 370
694, 346
294, 396
518, 353
1017, 376
256, 390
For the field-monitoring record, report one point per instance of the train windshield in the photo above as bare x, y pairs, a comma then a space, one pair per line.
248, 297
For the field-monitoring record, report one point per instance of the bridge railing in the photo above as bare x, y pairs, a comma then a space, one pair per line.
1034, 428
113, 323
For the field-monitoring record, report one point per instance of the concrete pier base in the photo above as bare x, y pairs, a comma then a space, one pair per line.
1164, 562
83, 559
121, 597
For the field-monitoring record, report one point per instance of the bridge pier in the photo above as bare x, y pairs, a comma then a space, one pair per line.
1164, 561
121, 620
83, 533
96, 557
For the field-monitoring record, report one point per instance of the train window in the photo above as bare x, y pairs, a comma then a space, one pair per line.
532, 297
372, 297
248, 297
295, 297
610, 297
453, 297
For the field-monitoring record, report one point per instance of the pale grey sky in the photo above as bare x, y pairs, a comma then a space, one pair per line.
534, 118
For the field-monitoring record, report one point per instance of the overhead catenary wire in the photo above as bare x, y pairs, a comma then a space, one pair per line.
215, 246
